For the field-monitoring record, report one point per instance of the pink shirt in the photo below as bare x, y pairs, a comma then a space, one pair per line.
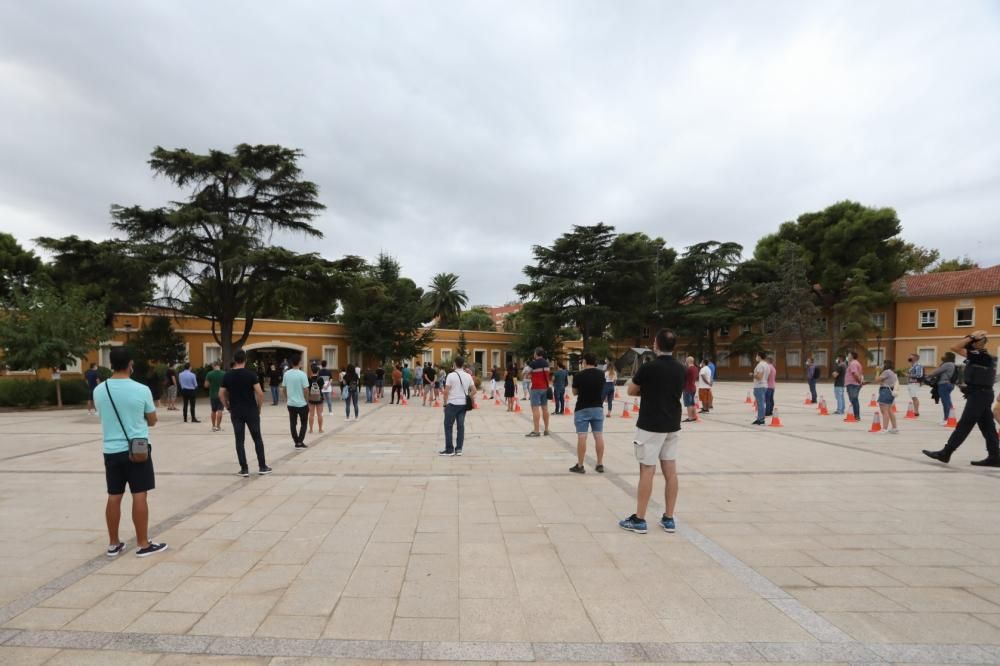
772, 377
855, 374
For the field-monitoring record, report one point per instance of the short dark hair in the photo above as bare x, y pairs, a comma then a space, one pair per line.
240, 356
323, 363
590, 358
949, 357
888, 364
854, 355
459, 361
539, 352
93, 365
665, 340
120, 358
187, 366
762, 355
295, 359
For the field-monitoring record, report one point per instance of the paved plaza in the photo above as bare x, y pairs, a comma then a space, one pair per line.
814, 542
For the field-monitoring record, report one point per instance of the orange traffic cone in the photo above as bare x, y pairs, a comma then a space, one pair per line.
850, 418
872, 402
775, 419
749, 399
952, 421
496, 401
910, 414
437, 404
625, 414
403, 401
876, 423
635, 405
822, 407
517, 407
754, 407
808, 400
567, 411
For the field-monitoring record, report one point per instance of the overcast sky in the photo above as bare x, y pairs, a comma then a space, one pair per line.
455, 135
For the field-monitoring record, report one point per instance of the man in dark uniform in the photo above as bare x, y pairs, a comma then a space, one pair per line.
980, 373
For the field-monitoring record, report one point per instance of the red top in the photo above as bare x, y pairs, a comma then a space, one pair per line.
691, 379
539, 373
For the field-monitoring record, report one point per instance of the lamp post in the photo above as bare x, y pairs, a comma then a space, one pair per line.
128, 331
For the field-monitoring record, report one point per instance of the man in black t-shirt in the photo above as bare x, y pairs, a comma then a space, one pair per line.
242, 395
588, 385
660, 384
429, 375
274, 381
379, 382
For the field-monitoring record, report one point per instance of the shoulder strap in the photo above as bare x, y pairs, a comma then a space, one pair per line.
117, 415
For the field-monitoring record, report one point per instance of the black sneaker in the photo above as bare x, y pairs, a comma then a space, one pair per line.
458, 452
943, 455
446, 452
244, 472
578, 469
534, 434
986, 462
599, 469
151, 549
264, 470
115, 551
301, 445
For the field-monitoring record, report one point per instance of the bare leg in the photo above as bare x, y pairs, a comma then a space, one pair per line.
581, 448
140, 518
669, 468
544, 409
312, 416
885, 411
645, 489
599, 441
916, 405
113, 516
536, 415
892, 416
319, 416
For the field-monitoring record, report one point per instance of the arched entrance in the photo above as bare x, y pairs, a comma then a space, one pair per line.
275, 351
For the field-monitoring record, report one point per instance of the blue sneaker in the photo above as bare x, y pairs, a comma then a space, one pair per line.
633, 524
668, 524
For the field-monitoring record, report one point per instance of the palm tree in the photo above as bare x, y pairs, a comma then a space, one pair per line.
444, 301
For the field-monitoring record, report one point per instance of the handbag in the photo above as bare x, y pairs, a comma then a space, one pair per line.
548, 393
138, 448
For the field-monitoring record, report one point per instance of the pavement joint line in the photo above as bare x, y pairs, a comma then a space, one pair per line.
637, 652
61, 582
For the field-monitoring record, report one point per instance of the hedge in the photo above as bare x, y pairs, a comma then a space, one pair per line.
35, 392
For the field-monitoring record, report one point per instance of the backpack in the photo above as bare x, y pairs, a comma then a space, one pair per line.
315, 390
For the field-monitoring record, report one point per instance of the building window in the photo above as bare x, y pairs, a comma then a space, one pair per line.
330, 355
928, 355
928, 319
212, 354
843, 326
878, 320
745, 329
645, 332
822, 324
723, 331
875, 357
744, 360
819, 358
965, 317
723, 359
445, 355
793, 358
72, 366
996, 315
495, 358
428, 356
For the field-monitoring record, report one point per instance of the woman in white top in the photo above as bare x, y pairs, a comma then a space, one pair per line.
886, 386
610, 377
705, 387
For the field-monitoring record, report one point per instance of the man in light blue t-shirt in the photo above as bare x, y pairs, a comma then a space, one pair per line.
127, 411
296, 385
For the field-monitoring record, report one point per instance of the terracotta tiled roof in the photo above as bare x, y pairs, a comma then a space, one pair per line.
976, 281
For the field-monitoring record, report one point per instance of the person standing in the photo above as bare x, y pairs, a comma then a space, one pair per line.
610, 379
274, 382
379, 382
853, 382
705, 387
944, 378
93, 378
914, 378
538, 369
430, 385
772, 382
458, 384
979, 377
812, 374
296, 385
127, 412
659, 384
418, 381
241, 394
350, 381
397, 386
887, 382
690, 389
407, 378
711, 366
588, 387
189, 391
510, 388
171, 381
369, 382
839, 371
213, 382
327, 390
760, 373
315, 398
494, 380
560, 378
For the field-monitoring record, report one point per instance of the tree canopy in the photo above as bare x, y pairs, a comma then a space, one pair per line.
18, 267
476, 319
444, 300
158, 342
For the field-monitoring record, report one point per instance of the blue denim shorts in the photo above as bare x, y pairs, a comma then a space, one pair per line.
592, 416
688, 399
539, 397
885, 396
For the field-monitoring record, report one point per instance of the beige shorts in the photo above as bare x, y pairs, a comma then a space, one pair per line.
914, 390
652, 447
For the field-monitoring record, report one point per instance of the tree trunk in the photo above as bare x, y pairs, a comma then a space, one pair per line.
58, 390
226, 339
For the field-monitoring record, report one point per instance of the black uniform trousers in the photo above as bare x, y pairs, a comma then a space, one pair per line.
978, 411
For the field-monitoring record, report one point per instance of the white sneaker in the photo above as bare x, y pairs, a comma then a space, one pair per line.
893, 431
943, 423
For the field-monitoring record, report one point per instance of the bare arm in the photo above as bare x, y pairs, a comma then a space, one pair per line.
224, 396
959, 348
150, 418
634, 389
258, 393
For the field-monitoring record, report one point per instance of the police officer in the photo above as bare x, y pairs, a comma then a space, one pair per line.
980, 373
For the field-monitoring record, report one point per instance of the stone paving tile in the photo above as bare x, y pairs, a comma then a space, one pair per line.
235, 616
366, 618
102, 658
196, 595
364, 649
147, 642
473, 651
159, 622
25, 656
44, 618
116, 612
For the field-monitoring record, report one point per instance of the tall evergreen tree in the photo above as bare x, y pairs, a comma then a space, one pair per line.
18, 267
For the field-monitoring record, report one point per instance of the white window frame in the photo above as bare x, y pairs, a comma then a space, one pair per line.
798, 358
996, 315
821, 358
427, 356
746, 328
745, 361
933, 356
972, 321
74, 367
332, 360
210, 346
876, 356
879, 320
495, 359
920, 318
445, 355
104, 352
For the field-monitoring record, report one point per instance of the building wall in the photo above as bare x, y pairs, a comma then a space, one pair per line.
935, 340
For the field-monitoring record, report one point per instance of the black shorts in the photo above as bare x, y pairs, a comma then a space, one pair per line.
217, 405
119, 471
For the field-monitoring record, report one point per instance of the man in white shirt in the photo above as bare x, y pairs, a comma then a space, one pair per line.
457, 385
705, 387
760, 375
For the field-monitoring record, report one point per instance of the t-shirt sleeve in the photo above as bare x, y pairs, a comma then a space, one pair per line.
639, 375
149, 407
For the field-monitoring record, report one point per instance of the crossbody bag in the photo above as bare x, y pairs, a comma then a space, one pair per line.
138, 448
468, 398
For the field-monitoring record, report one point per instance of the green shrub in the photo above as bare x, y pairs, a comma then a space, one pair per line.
24, 392
104, 373
74, 392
